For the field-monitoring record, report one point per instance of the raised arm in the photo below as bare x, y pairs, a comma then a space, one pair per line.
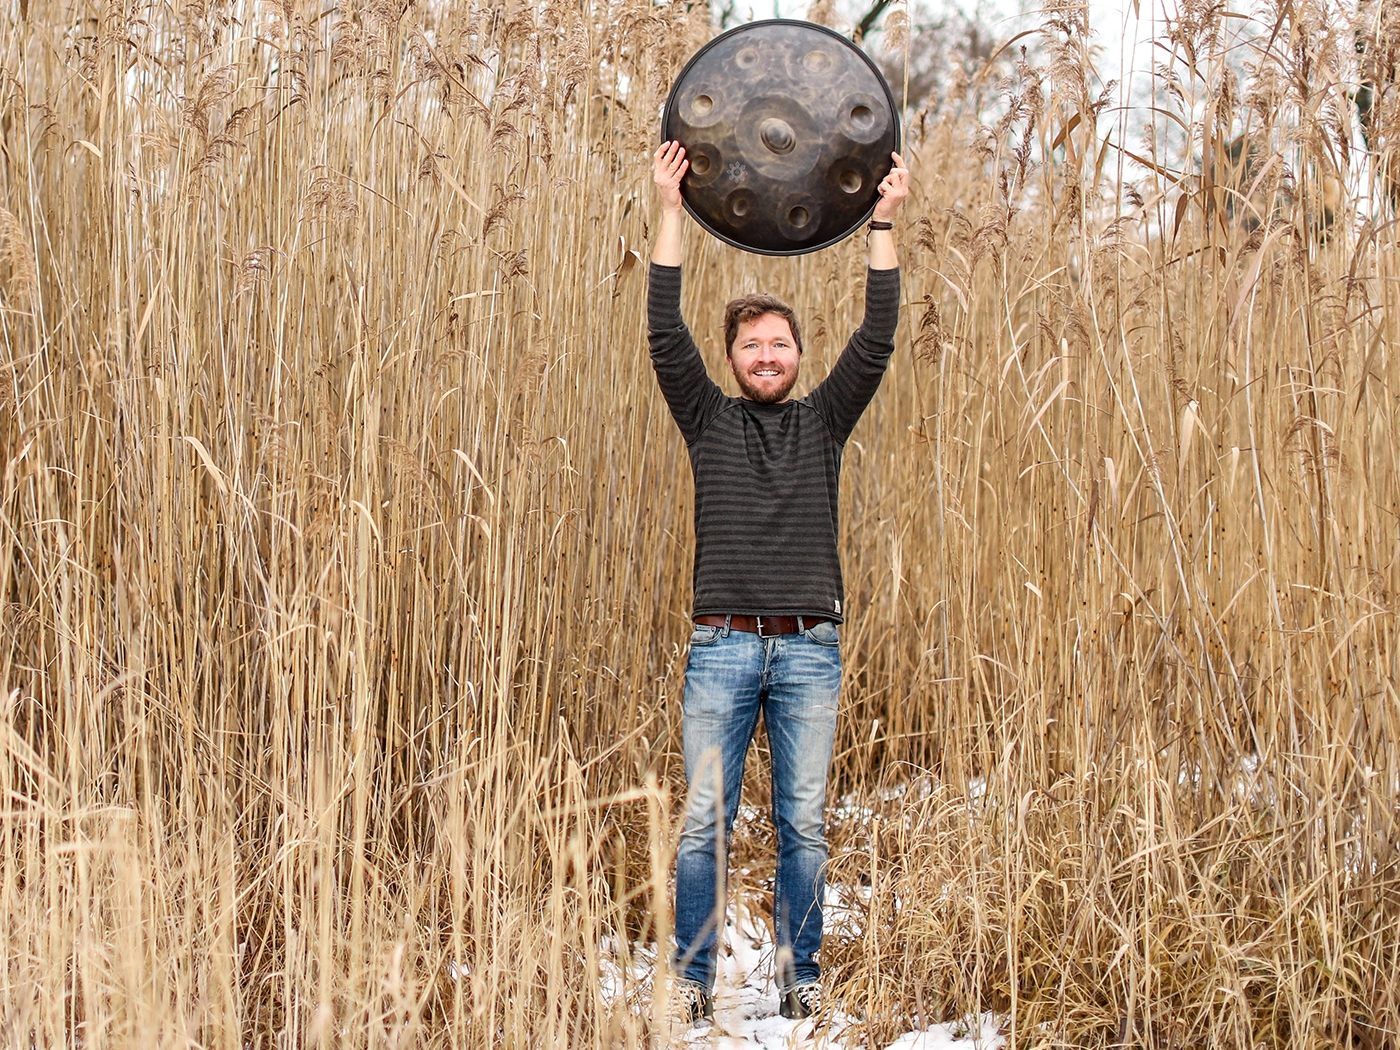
690, 393
894, 188
843, 395
668, 165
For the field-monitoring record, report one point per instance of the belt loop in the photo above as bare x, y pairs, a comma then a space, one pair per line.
801, 627
727, 617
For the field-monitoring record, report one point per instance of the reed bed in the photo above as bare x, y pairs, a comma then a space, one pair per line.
346, 538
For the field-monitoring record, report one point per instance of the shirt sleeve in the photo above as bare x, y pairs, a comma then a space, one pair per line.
843, 395
691, 394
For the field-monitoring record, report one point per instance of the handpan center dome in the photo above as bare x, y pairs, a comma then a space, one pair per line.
788, 127
777, 135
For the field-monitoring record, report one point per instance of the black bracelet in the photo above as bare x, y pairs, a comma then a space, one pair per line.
878, 224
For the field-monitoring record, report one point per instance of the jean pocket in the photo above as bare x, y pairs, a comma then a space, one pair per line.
824, 633
703, 634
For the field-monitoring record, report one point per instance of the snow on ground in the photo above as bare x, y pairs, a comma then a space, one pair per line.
746, 999
954, 1035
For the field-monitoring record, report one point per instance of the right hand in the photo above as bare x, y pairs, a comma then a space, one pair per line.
667, 167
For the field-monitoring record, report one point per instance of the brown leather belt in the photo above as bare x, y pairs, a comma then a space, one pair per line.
763, 626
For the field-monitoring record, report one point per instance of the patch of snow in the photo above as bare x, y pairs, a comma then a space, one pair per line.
628, 983
983, 1036
843, 908
746, 997
849, 808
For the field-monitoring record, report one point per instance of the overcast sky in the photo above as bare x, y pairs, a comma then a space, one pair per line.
1119, 34
1115, 24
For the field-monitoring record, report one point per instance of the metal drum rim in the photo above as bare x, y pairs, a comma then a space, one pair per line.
879, 78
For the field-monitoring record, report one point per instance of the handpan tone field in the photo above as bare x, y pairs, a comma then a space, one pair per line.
788, 127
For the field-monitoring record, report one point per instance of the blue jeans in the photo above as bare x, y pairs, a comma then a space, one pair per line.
794, 680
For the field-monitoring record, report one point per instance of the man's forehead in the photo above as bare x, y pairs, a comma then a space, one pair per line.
765, 322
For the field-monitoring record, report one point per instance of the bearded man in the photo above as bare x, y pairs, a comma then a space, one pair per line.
768, 600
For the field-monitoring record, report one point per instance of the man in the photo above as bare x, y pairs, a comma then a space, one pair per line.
768, 599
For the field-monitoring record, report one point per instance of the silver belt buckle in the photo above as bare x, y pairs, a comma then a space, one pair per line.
758, 621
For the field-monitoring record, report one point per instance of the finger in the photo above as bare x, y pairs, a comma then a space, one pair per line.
898, 160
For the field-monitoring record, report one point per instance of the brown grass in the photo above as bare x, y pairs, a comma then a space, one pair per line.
347, 544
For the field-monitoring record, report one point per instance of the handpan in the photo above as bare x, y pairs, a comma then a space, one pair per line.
788, 128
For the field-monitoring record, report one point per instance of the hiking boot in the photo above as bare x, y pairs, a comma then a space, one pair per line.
801, 1000
690, 1004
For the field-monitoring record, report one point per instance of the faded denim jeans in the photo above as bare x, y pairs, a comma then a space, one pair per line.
795, 681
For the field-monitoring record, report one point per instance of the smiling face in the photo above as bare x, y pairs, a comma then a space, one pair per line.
765, 357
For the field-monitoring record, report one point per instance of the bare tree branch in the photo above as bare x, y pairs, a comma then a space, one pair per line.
871, 17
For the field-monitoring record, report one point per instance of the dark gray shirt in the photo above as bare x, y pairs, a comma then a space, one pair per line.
767, 476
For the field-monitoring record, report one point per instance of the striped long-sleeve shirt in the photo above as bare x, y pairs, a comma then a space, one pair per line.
767, 476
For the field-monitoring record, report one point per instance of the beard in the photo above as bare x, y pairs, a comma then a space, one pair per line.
770, 394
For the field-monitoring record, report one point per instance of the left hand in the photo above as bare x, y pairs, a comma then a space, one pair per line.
894, 188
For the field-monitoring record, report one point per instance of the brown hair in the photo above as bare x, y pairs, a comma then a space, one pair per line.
751, 307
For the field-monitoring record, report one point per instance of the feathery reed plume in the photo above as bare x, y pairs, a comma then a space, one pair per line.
17, 267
